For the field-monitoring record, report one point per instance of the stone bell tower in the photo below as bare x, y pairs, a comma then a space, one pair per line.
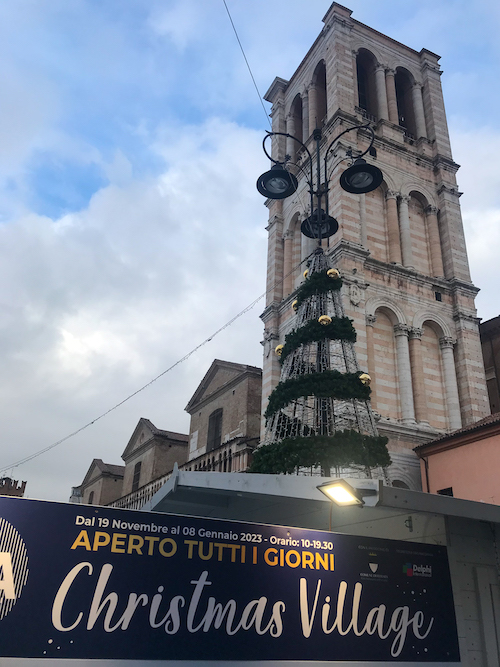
400, 249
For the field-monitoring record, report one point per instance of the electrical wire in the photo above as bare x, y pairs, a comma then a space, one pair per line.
35, 455
248, 65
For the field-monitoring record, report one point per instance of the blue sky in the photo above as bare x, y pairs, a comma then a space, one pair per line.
130, 227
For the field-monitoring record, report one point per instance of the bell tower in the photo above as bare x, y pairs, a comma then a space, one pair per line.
400, 249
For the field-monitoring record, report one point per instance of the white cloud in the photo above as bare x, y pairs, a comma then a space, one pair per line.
104, 299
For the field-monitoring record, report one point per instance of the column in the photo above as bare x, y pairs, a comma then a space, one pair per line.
370, 356
393, 240
418, 109
404, 227
391, 96
290, 143
363, 236
305, 116
383, 111
404, 374
287, 263
417, 374
434, 241
450, 381
355, 101
313, 107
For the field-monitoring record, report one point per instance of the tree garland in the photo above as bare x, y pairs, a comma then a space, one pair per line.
335, 384
318, 283
340, 328
343, 450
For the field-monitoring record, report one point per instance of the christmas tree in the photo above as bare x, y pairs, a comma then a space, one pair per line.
318, 416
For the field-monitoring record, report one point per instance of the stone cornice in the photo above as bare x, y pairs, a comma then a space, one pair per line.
457, 285
443, 162
400, 270
271, 310
344, 247
459, 315
278, 86
416, 433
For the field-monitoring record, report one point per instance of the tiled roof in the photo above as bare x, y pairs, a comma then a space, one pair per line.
113, 469
490, 420
166, 434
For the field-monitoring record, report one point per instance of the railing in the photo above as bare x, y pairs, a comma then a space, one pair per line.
137, 499
230, 457
364, 113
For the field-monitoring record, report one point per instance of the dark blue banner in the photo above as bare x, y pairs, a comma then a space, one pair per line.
84, 582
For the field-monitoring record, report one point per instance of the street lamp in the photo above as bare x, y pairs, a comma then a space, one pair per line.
279, 183
342, 493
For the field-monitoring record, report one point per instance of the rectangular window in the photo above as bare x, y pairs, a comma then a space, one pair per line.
137, 476
214, 430
446, 492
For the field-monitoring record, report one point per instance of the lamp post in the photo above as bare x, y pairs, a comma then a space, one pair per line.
279, 183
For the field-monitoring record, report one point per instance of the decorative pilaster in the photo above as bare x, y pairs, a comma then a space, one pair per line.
355, 100
418, 108
370, 356
383, 111
290, 128
363, 236
450, 380
313, 107
404, 228
404, 374
287, 263
417, 374
305, 115
434, 241
392, 103
393, 227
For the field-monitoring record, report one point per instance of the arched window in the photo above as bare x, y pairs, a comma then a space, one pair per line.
214, 430
406, 115
137, 476
419, 234
367, 92
399, 484
91, 497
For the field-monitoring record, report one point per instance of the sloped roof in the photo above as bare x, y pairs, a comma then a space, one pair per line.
482, 424
240, 370
157, 432
104, 469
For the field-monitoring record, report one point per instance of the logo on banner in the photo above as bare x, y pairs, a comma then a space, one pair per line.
412, 570
13, 566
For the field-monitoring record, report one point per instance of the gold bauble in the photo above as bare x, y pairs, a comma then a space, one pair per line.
365, 378
306, 273
325, 319
333, 273
278, 350
295, 305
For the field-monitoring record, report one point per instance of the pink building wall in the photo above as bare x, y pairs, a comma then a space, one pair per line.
467, 462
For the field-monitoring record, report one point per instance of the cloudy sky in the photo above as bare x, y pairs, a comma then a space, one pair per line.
130, 227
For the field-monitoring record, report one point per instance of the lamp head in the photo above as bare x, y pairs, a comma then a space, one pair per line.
277, 183
341, 492
319, 220
361, 177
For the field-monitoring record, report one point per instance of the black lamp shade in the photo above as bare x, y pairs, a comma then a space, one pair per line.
278, 183
361, 177
311, 227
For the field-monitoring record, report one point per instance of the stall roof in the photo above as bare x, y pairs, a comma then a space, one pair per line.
295, 501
